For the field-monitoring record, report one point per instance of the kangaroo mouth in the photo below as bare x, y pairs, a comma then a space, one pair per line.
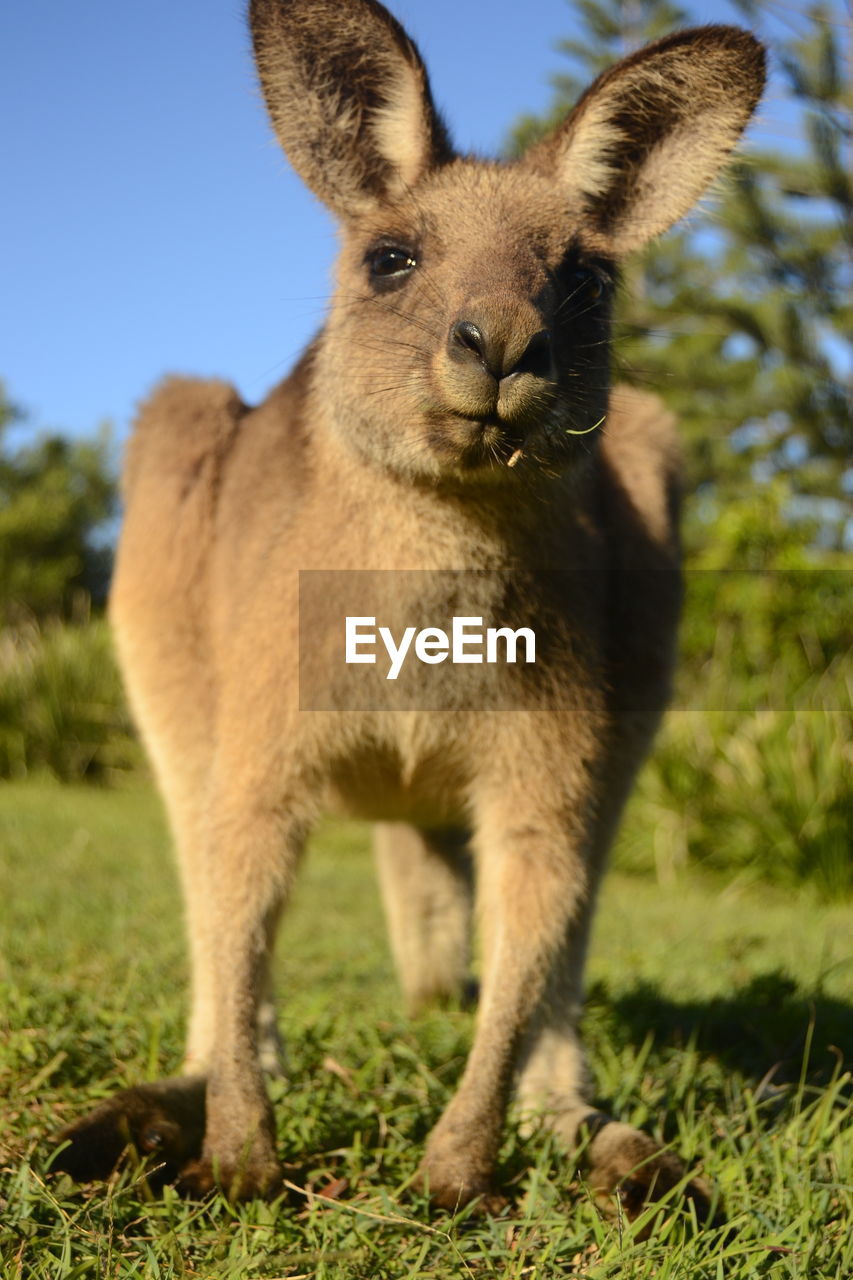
529, 433
492, 442
479, 423
504, 440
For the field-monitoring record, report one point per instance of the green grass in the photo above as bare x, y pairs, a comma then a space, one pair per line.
718, 1014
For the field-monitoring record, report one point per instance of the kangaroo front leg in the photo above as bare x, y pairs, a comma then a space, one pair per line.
251, 857
553, 1081
531, 884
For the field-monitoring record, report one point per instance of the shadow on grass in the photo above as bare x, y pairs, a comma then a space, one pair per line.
765, 1025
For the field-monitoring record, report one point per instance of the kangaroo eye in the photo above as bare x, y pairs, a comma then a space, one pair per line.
390, 261
589, 281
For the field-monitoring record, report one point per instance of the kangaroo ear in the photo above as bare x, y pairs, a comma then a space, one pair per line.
349, 98
650, 134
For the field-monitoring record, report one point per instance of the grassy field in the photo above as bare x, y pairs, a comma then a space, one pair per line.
718, 1016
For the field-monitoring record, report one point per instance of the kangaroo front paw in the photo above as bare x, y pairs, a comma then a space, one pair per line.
164, 1120
454, 1173
257, 1176
628, 1164
454, 1188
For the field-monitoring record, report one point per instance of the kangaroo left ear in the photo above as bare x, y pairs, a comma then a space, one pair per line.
348, 97
651, 133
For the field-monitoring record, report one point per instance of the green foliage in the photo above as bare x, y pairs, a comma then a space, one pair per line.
62, 709
56, 497
61, 705
758, 602
746, 988
764, 794
752, 770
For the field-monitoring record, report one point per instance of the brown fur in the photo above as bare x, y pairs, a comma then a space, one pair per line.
433, 427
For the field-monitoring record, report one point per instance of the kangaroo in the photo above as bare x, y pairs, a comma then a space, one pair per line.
448, 447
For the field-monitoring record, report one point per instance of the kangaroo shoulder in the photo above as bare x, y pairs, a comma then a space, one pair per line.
183, 431
642, 463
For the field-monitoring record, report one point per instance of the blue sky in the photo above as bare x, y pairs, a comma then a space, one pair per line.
151, 225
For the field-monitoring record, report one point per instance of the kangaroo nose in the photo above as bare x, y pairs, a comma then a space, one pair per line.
500, 358
536, 356
467, 338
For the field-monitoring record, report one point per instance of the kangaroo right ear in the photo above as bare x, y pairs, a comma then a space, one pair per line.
650, 134
349, 99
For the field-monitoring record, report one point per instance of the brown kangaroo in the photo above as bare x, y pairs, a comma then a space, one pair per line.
451, 431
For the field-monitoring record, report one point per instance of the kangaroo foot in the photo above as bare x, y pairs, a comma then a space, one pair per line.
164, 1120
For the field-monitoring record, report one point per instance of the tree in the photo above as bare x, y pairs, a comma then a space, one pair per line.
795, 212
56, 498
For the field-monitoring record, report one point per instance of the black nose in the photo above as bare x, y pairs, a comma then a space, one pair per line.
536, 356
470, 341
470, 338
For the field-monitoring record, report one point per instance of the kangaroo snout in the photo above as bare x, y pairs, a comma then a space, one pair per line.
498, 370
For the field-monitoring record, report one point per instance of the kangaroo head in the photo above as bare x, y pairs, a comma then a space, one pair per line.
471, 318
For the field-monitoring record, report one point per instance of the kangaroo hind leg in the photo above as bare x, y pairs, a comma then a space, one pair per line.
426, 880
